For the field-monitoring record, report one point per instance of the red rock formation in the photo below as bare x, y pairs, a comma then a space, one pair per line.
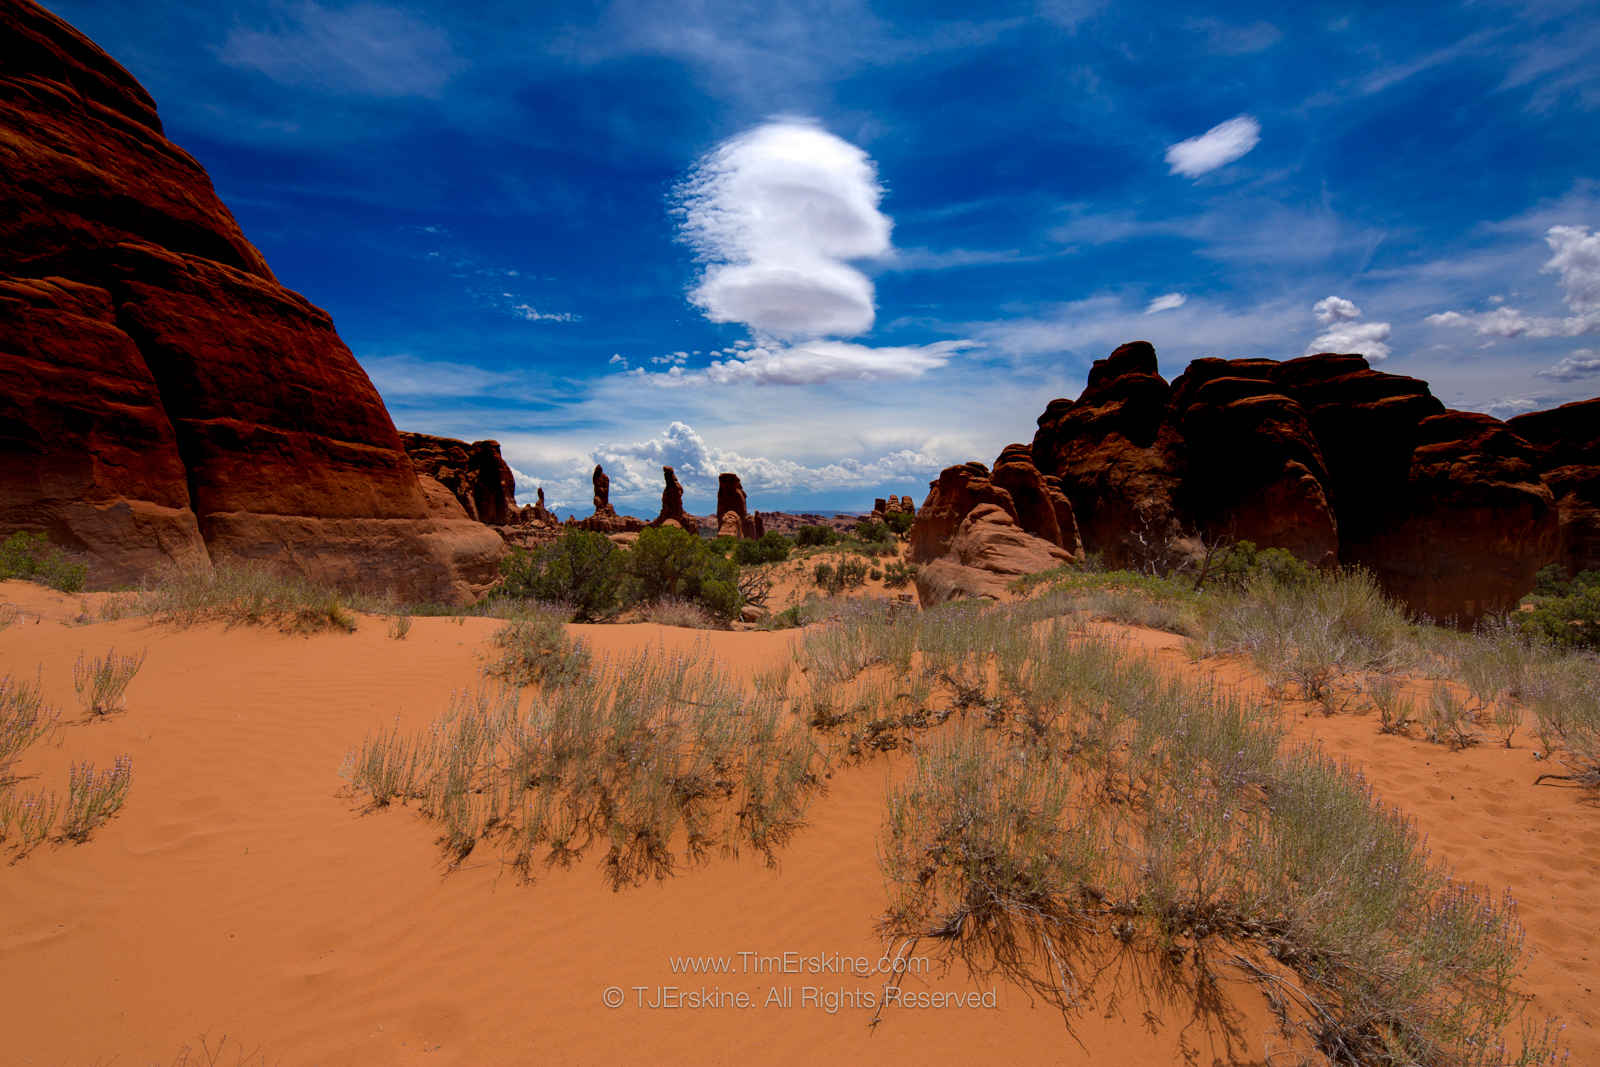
672, 505
173, 401
475, 473
1566, 442
605, 518
951, 497
1320, 455
730, 499
986, 553
1042, 509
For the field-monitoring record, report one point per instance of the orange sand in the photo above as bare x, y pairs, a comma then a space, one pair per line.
241, 893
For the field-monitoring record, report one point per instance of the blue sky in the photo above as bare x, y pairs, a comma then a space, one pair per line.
836, 246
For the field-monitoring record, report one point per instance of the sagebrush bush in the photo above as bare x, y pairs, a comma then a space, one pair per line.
582, 568
685, 613
31, 557
659, 760
899, 574
535, 649
246, 593
24, 719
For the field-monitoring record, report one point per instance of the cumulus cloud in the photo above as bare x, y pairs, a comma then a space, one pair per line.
1165, 303
529, 313
635, 467
776, 214
1575, 260
366, 48
1344, 332
1217, 147
1583, 363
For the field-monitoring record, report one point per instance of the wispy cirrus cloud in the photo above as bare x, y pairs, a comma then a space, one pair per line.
371, 49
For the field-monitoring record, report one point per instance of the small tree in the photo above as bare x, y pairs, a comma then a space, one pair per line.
667, 562
582, 569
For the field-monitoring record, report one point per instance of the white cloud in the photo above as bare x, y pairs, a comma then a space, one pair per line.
1217, 147
1583, 363
1342, 332
1165, 303
1226, 39
775, 213
635, 468
811, 363
366, 48
529, 313
1575, 260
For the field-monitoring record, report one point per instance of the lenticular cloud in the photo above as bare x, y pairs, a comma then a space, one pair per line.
776, 213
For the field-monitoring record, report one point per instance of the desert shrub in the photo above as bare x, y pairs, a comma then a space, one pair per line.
93, 798
581, 568
899, 521
812, 536
247, 594
1129, 807
101, 682
1565, 699
1307, 633
771, 547
535, 649
9, 614
872, 530
24, 719
1446, 719
659, 760
899, 574
399, 627
1565, 611
1395, 711
31, 557
685, 613
668, 563
1243, 563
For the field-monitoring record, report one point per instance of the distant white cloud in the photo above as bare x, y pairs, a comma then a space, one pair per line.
1228, 39
776, 213
1575, 259
529, 313
366, 48
1342, 332
1165, 303
811, 363
635, 467
1583, 363
1217, 147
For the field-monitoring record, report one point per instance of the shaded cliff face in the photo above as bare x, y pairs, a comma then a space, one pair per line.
1320, 455
1566, 444
167, 398
476, 475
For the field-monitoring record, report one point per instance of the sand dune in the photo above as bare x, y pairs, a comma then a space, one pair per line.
241, 892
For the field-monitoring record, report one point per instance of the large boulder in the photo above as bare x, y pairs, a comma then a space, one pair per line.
168, 400
1566, 443
476, 473
986, 554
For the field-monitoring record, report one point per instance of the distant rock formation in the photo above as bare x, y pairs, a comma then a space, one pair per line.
475, 473
672, 505
602, 492
883, 507
605, 518
731, 501
1320, 455
165, 398
1566, 442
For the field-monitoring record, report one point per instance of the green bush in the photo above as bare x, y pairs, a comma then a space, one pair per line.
872, 530
1566, 611
899, 521
772, 547
899, 574
668, 563
810, 536
33, 558
1242, 563
582, 569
